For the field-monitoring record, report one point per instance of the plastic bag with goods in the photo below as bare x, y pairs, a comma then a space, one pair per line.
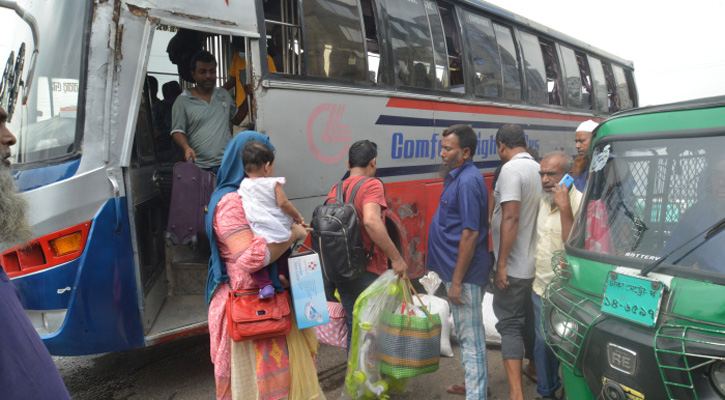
431, 281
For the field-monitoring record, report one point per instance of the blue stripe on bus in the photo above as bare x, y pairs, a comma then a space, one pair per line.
30, 179
427, 169
103, 312
395, 120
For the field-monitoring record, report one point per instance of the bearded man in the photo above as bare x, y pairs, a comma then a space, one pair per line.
583, 140
458, 252
26, 369
556, 216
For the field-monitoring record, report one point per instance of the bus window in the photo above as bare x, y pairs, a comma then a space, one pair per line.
441, 75
410, 36
453, 47
613, 99
534, 68
371, 40
223, 48
632, 88
586, 80
572, 79
282, 25
599, 84
143, 149
625, 101
509, 63
334, 39
553, 80
484, 55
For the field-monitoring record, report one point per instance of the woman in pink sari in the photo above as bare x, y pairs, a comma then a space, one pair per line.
264, 369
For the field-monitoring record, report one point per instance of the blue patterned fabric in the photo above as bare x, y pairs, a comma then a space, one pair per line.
471, 334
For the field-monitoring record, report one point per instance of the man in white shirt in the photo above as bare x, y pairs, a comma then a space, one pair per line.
517, 196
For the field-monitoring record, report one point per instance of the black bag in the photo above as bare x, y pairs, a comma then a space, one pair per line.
337, 237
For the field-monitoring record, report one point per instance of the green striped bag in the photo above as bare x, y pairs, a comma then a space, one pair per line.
408, 345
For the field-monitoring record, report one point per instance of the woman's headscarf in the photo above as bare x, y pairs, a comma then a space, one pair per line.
228, 179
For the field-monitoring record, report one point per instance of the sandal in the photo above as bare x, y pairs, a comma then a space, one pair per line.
457, 388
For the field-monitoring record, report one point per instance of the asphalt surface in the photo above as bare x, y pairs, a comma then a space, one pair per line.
182, 370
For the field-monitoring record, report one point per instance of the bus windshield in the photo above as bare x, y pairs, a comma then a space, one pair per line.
648, 198
46, 125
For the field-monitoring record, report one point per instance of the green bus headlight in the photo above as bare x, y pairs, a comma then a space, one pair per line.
563, 326
717, 376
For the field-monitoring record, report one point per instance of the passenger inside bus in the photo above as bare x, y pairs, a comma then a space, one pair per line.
166, 149
700, 254
238, 81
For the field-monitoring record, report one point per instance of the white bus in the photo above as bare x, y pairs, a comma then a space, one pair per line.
98, 276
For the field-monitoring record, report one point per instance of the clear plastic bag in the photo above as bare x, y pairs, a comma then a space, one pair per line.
363, 379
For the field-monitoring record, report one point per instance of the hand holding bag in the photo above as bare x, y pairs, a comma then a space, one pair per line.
409, 345
250, 317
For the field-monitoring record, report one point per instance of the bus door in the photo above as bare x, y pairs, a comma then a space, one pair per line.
171, 280
149, 211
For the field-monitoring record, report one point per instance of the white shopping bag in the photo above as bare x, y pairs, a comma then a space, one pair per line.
308, 291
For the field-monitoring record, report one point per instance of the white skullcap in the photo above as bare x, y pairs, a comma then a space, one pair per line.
587, 126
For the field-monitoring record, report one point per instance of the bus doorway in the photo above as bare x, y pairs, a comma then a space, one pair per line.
171, 276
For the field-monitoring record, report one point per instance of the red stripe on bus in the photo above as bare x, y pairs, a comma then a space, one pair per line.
462, 108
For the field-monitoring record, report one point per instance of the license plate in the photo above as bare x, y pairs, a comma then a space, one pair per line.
634, 298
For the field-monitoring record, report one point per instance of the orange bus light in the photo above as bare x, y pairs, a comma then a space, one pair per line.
66, 244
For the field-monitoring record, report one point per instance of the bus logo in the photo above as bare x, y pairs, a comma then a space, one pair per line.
335, 132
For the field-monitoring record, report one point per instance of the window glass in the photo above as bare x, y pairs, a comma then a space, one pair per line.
534, 69
553, 76
572, 78
632, 88
509, 63
440, 75
143, 150
284, 34
484, 55
586, 80
410, 34
371, 40
599, 85
622, 92
45, 126
612, 98
453, 47
646, 198
334, 39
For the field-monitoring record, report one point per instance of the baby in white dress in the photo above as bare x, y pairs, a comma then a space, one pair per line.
269, 213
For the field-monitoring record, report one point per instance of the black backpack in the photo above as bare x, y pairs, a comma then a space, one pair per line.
337, 237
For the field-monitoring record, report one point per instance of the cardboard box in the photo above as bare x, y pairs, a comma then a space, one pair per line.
308, 290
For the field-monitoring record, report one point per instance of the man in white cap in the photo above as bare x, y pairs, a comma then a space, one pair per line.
583, 140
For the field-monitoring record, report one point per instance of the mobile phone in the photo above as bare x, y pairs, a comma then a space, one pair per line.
567, 180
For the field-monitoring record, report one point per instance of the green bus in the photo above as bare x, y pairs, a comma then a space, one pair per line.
637, 308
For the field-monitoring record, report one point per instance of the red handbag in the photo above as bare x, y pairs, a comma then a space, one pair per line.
250, 317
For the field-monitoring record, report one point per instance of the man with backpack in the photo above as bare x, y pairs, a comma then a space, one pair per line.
369, 201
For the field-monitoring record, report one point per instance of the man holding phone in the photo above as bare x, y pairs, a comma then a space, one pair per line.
559, 203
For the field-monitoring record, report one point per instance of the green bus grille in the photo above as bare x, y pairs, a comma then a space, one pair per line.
682, 349
572, 311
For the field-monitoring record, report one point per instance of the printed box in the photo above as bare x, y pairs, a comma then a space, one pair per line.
308, 291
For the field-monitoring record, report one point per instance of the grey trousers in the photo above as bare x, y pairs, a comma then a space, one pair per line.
508, 306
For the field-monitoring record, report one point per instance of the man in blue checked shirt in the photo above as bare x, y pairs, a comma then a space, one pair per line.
458, 251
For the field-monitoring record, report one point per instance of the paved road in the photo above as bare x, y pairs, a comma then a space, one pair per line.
182, 371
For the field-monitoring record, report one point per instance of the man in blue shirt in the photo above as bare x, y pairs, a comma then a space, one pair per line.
458, 251
582, 140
